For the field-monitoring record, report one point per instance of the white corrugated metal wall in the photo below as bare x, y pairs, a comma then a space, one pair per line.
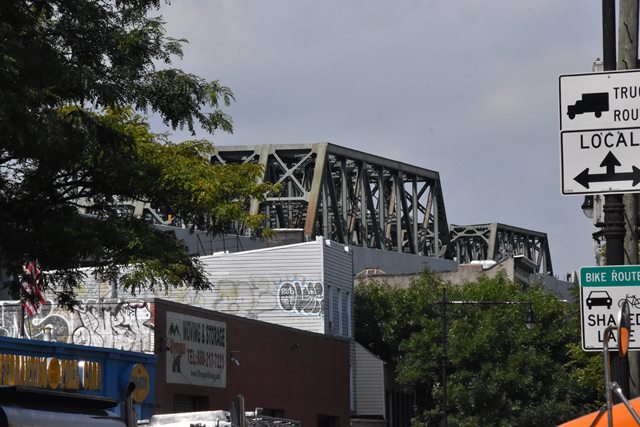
281, 285
306, 286
369, 383
338, 283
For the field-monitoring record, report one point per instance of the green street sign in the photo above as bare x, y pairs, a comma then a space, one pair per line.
602, 290
610, 275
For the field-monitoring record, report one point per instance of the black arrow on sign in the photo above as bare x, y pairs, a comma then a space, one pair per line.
610, 162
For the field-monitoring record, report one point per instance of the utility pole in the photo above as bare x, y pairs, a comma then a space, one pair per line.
628, 60
445, 358
614, 208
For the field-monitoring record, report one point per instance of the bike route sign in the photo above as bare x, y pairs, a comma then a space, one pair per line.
599, 133
602, 289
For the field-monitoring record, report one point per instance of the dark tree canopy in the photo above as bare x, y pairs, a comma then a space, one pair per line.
499, 372
75, 79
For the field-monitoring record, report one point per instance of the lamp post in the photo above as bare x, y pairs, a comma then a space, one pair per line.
529, 322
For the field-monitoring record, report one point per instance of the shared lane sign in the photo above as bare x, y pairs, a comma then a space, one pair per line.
602, 290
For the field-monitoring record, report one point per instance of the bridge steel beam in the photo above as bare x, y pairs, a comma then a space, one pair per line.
498, 241
349, 196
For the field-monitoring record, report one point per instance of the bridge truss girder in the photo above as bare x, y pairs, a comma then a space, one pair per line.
498, 241
349, 196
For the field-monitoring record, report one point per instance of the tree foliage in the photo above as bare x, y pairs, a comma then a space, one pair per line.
75, 77
499, 372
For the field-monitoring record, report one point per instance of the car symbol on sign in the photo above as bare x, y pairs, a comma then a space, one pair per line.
599, 298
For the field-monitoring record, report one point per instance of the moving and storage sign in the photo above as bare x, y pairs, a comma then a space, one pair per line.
196, 351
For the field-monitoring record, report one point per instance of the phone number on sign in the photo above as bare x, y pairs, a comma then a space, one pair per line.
208, 359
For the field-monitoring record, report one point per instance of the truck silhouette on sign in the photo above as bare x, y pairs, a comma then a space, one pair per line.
594, 103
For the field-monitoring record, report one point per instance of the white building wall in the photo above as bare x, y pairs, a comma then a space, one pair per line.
282, 285
338, 281
369, 383
286, 285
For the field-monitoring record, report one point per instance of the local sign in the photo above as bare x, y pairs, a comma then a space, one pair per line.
600, 133
602, 290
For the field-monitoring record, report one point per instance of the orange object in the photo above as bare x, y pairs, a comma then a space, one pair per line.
621, 417
624, 341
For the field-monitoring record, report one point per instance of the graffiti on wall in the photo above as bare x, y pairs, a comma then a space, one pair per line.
119, 324
252, 298
126, 325
242, 298
258, 298
301, 297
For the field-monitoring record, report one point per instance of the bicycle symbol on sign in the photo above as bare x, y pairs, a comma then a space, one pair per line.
633, 301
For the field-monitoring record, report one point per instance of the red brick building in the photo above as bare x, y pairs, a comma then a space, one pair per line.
206, 358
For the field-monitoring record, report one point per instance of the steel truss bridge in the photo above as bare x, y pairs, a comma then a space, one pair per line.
349, 196
497, 241
365, 200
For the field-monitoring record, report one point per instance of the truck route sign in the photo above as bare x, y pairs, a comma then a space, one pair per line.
600, 132
602, 290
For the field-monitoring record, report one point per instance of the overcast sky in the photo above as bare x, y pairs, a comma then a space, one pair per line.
465, 88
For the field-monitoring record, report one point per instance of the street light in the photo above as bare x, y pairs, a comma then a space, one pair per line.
529, 323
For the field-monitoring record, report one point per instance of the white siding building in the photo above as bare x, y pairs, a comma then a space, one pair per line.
307, 286
369, 383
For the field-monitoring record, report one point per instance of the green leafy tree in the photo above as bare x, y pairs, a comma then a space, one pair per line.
73, 74
499, 373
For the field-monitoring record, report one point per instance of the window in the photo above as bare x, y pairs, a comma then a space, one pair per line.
335, 316
339, 304
349, 316
269, 412
327, 421
345, 314
189, 403
327, 308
